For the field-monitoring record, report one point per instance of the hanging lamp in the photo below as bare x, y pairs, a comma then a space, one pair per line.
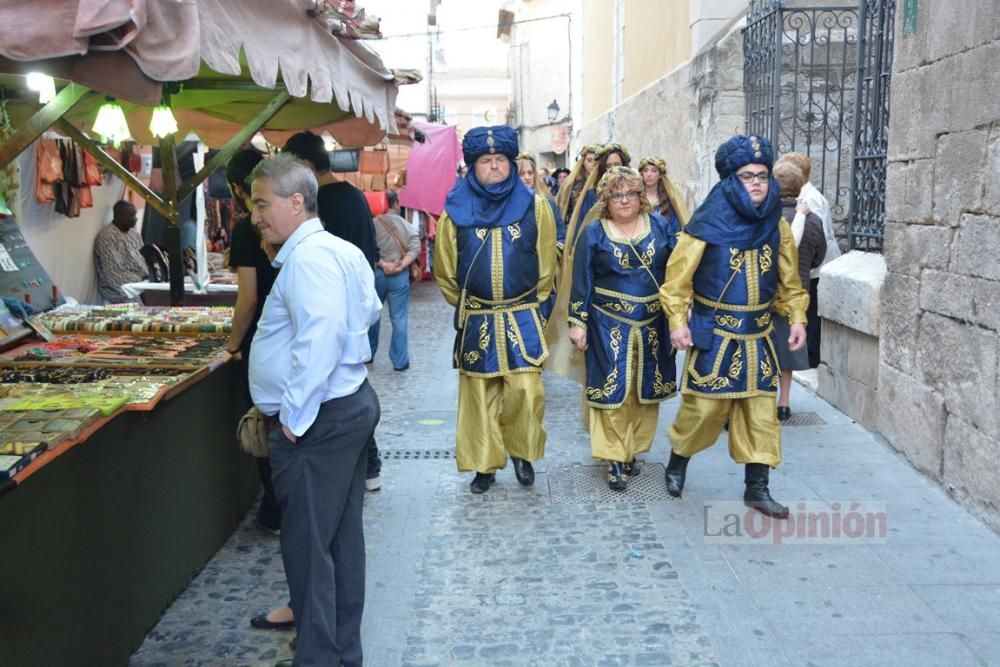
163, 122
110, 123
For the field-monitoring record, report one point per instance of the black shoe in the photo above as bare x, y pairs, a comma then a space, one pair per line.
675, 474
261, 623
616, 476
402, 368
757, 495
784, 413
523, 471
632, 468
482, 482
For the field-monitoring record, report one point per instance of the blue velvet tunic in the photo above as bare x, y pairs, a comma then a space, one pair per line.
500, 321
614, 295
734, 293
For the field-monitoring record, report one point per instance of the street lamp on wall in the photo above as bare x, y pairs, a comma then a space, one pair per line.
553, 111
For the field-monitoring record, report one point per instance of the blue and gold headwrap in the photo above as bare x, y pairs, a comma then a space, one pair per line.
473, 204
743, 150
482, 140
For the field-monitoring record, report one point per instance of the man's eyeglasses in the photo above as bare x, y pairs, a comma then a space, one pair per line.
750, 177
619, 197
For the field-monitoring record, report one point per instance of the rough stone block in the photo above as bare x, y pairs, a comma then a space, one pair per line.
909, 191
911, 416
958, 174
976, 250
911, 248
913, 135
991, 197
850, 353
947, 294
986, 304
850, 291
856, 400
900, 321
959, 361
944, 28
971, 472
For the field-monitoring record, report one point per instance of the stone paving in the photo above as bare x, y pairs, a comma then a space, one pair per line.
567, 573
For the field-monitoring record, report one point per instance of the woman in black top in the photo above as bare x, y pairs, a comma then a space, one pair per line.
255, 276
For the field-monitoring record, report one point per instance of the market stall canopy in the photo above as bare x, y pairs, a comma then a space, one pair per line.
229, 58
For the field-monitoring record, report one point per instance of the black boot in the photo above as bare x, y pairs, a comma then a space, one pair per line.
632, 468
616, 476
481, 482
757, 496
675, 473
523, 471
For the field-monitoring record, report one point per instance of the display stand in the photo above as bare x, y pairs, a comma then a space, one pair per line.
101, 540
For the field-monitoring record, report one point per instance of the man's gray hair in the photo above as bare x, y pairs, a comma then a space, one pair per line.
289, 175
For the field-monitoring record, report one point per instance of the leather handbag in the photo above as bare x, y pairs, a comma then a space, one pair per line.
252, 432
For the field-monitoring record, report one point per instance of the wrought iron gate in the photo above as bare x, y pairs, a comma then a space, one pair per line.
816, 80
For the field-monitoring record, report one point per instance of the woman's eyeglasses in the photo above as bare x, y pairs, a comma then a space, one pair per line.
750, 177
619, 197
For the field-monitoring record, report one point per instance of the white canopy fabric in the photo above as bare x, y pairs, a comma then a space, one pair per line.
128, 48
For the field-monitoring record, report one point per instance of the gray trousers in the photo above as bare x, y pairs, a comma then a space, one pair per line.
320, 485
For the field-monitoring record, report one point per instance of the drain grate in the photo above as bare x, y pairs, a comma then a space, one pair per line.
417, 454
804, 419
575, 484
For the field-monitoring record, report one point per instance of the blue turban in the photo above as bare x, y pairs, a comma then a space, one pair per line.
727, 216
472, 204
742, 150
482, 140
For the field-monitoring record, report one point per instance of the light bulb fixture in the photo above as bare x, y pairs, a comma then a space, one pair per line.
328, 142
162, 123
110, 123
44, 85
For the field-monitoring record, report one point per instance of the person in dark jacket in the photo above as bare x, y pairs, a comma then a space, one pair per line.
807, 229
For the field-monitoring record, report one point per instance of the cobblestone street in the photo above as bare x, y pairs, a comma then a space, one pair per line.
567, 573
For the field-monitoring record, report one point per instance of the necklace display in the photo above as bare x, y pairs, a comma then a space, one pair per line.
620, 231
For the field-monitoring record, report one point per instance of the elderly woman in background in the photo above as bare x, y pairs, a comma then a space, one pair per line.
619, 264
663, 196
807, 230
531, 176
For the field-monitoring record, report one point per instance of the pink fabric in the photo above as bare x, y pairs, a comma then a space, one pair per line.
430, 171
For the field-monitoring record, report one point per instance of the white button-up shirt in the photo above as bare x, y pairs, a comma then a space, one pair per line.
312, 339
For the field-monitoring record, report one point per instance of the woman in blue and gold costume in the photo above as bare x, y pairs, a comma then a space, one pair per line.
608, 155
615, 317
572, 187
734, 263
527, 171
663, 196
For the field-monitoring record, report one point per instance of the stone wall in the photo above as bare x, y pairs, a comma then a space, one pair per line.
940, 332
684, 116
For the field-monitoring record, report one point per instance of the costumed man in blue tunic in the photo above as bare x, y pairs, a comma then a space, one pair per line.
495, 261
735, 261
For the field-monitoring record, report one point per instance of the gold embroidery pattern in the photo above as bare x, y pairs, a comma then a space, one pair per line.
736, 364
728, 321
622, 307
753, 278
647, 255
512, 336
484, 335
515, 231
471, 357
763, 320
735, 259
481, 233
653, 307
766, 262
766, 370
712, 383
611, 382
577, 308
497, 263
623, 257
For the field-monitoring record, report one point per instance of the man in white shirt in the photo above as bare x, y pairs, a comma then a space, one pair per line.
307, 368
